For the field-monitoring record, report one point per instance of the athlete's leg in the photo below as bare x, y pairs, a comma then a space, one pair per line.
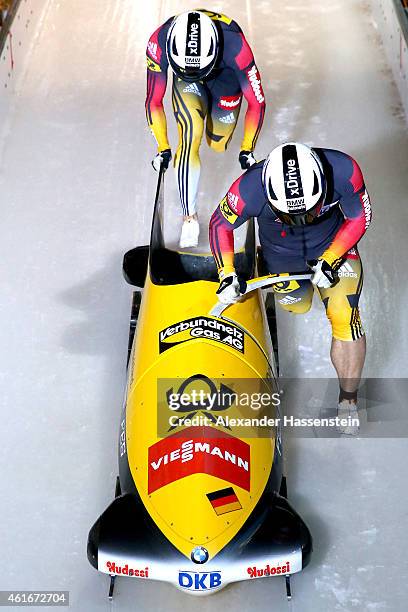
294, 296
348, 343
348, 359
225, 103
190, 108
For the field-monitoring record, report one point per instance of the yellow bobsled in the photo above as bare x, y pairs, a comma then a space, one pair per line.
200, 499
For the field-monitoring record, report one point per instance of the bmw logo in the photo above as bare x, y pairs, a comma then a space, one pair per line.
199, 554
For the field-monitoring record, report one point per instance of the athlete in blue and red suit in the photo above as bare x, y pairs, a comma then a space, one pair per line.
312, 208
213, 67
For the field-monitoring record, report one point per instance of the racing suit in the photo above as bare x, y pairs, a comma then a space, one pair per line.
333, 236
215, 101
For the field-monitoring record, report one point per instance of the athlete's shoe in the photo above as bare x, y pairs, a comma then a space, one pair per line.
190, 231
348, 410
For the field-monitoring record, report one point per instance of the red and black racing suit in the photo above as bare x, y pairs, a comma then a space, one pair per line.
216, 100
333, 236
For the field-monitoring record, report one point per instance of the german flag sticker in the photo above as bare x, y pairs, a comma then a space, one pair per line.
224, 501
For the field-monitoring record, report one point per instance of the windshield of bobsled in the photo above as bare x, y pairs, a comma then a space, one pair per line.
168, 266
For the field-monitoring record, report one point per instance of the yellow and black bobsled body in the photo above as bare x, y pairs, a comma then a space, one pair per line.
200, 498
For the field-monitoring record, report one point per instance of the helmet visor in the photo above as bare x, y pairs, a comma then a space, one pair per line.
191, 75
299, 219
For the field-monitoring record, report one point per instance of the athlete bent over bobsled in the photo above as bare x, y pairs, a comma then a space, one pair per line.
312, 208
213, 66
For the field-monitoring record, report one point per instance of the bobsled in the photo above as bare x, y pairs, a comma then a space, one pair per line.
200, 499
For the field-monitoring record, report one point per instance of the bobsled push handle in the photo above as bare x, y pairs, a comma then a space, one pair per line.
258, 283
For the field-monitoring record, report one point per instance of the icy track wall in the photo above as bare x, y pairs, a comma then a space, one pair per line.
392, 22
16, 38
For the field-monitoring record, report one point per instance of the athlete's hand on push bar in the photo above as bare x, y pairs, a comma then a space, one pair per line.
162, 160
246, 159
324, 276
231, 288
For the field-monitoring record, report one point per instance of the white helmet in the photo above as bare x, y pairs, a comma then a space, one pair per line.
294, 182
192, 46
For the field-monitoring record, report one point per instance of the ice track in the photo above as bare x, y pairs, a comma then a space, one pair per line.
77, 187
